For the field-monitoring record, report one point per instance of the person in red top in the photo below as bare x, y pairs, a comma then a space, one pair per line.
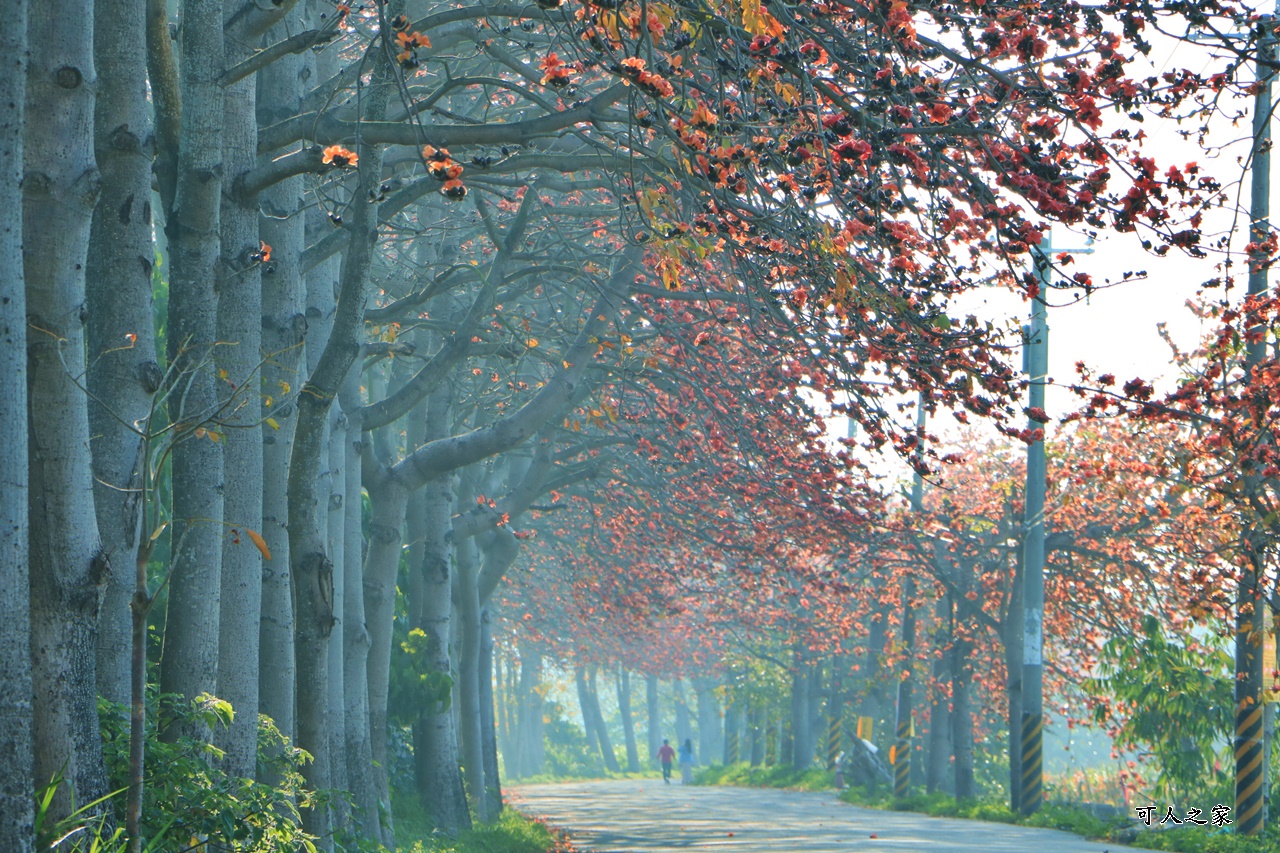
666, 755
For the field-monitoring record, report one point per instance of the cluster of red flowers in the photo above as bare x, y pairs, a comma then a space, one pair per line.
442, 167
408, 42
556, 72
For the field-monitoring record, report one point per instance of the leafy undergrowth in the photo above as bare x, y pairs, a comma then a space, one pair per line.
512, 832
777, 776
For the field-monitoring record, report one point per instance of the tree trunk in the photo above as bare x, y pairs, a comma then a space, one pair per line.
435, 743
962, 720
123, 373
584, 705
758, 723
67, 569
356, 642
801, 738
311, 567
628, 724
602, 729
940, 697
240, 330
387, 501
488, 728
189, 660
684, 729
336, 530
469, 674
529, 745
653, 715
16, 745
710, 723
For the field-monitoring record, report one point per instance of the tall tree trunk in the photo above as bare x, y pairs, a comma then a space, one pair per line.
387, 500
732, 728
962, 719
584, 705
529, 744
285, 326
67, 568
123, 372
758, 722
653, 716
240, 331
436, 747
628, 724
602, 729
801, 736
488, 728
16, 745
684, 728
469, 673
940, 697
355, 642
310, 565
189, 660
710, 723
336, 529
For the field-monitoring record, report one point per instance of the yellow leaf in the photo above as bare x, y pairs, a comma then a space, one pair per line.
284, 387
273, 423
531, 343
155, 534
259, 542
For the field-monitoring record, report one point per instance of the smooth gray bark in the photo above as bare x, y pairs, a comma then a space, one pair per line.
16, 781
602, 729
238, 357
469, 723
653, 716
628, 722
189, 660
436, 766
355, 640
123, 373
529, 747
710, 722
67, 568
310, 565
488, 725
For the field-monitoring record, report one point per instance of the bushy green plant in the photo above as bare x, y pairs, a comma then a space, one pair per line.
569, 756
187, 797
1178, 696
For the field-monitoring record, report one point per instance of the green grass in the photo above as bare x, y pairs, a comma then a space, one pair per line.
513, 832
777, 776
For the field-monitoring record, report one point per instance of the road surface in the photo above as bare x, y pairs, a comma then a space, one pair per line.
646, 816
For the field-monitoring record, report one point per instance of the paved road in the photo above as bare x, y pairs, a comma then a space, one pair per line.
650, 817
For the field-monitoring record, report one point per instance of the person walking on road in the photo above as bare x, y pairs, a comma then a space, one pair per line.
666, 755
686, 762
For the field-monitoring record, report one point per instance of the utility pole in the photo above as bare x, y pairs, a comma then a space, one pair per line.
1251, 772
903, 747
1036, 366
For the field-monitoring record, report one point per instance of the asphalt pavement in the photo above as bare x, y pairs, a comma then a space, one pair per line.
647, 816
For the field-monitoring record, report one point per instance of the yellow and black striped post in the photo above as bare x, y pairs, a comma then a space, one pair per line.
1249, 773
771, 745
731, 747
1032, 762
833, 742
902, 760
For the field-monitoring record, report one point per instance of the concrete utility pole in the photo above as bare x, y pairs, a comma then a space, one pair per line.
1036, 366
903, 748
1251, 772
